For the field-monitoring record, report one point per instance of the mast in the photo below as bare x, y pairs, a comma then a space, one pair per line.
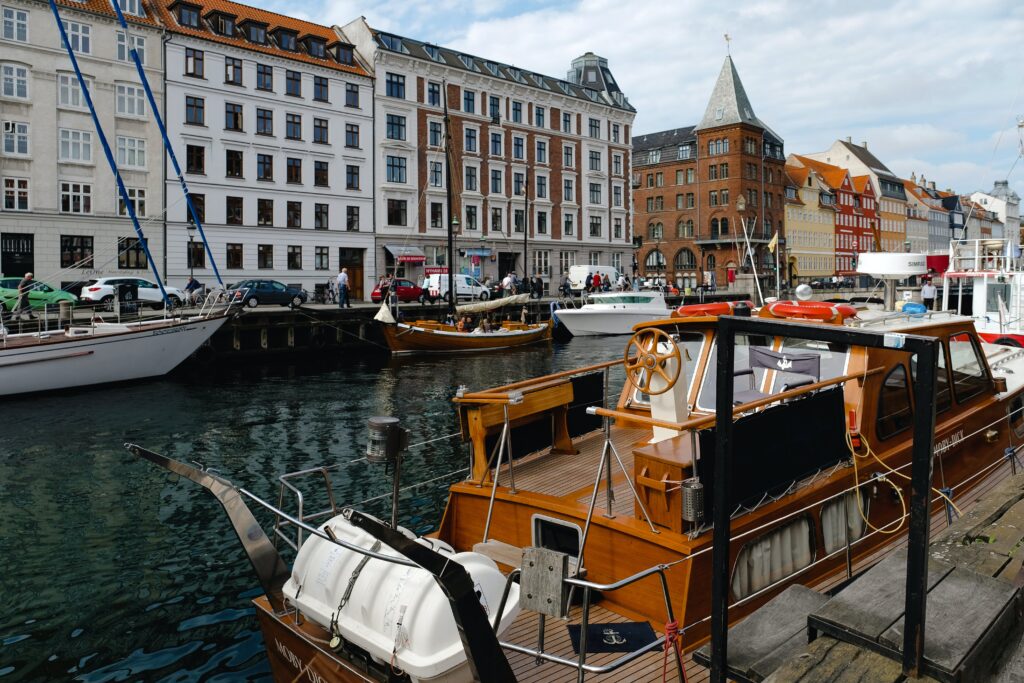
449, 157
128, 204
167, 143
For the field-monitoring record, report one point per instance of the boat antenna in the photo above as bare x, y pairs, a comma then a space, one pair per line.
452, 295
128, 203
167, 143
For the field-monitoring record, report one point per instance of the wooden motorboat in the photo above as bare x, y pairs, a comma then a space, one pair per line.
602, 515
428, 336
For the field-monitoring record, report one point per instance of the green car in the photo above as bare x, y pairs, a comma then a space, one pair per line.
41, 294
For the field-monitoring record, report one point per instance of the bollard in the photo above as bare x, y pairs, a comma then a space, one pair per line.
64, 313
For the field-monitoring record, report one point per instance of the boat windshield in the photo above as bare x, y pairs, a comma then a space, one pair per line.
832, 361
622, 299
690, 347
741, 361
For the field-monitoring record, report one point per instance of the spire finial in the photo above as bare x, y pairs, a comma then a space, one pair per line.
727, 41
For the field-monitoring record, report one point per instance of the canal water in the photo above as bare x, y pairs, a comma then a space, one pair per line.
111, 570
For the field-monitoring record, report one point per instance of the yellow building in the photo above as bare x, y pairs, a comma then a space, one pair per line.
810, 224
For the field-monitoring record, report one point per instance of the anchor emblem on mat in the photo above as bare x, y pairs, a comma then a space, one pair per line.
612, 637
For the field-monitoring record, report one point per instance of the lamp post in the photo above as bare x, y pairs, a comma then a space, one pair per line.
191, 252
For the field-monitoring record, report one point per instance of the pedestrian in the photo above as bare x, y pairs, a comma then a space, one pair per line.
565, 288
192, 289
928, 292
506, 285
621, 283
384, 286
595, 283
606, 283
24, 306
538, 286
626, 284
343, 301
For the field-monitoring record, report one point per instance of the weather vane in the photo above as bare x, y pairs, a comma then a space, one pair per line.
727, 41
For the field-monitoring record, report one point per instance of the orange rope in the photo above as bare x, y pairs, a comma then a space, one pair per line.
672, 643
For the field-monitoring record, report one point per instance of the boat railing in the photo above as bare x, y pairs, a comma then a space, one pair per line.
980, 255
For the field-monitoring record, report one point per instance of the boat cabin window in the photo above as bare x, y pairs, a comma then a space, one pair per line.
832, 356
969, 376
773, 557
943, 396
894, 412
623, 299
556, 534
741, 361
841, 520
997, 296
1017, 416
690, 347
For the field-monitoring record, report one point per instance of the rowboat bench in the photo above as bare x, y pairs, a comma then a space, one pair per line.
483, 415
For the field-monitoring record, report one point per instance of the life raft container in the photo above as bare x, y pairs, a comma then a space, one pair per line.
392, 608
714, 308
810, 310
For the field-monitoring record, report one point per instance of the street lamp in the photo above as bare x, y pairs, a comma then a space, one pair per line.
191, 252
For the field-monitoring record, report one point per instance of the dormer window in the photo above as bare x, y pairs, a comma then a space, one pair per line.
393, 43
188, 16
286, 40
256, 33
344, 54
433, 53
224, 25
133, 7
467, 60
316, 48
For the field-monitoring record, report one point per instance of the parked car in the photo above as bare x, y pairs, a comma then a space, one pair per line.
407, 291
465, 286
252, 293
101, 292
41, 294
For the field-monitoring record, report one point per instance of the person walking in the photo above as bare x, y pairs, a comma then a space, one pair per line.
343, 301
928, 292
23, 306
595, 283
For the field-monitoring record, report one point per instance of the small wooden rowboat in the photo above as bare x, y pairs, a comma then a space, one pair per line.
425, 336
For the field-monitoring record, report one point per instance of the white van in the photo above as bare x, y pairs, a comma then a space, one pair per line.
580, 277
465, 286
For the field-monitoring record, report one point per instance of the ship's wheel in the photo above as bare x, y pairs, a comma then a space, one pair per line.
646, 362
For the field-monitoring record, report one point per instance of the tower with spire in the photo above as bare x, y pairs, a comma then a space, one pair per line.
689, 184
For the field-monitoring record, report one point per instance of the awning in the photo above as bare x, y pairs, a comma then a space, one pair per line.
406, 254
478, 252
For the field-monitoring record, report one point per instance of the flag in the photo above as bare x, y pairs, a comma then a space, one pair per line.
774, 243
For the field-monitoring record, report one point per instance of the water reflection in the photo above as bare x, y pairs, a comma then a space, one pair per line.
111, 571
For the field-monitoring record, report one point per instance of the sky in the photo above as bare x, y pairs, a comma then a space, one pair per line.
934, 88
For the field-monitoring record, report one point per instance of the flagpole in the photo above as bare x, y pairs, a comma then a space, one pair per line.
778, 273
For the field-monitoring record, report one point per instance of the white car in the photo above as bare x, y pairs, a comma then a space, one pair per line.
101, 292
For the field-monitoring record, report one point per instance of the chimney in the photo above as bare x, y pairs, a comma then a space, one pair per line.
923, 182
849, 138
931, 185
864, 144
913, 178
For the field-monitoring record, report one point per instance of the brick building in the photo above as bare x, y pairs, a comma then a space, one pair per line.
533, 156
686, 185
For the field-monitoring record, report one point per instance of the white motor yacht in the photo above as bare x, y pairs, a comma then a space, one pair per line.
612, 312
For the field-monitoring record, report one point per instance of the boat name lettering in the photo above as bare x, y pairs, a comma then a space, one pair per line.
949, 442
169, 330
297, 663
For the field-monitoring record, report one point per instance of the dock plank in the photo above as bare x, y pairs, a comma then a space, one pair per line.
828, 660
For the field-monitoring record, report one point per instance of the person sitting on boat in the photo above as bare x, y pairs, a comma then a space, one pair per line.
462, 326
606, 283
595, 283
622, 283
523, 315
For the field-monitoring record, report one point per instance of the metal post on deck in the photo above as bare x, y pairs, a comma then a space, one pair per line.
920, 508
723, 468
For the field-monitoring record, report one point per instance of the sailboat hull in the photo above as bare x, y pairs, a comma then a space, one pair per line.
100, 354
402, 338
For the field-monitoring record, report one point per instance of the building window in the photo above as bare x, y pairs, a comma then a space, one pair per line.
436, 214
14, 81
566, 122
519, 220
595, 160
76, 251
352, 218
471, 222
471, 185
194, 63
15, 139
396, 171
617, 196
566, 260
265, 256
396, 212
293, 171
233, 116
615, 132
188, 16
595, 128
294, 257
195, 159
233, 211
15, 24
471, 134
434, 133
542, 222
434, 94
264, 122
595, 226
497, 184
264, 212
538, 116
131, 100
130, 254
69, 91
468, 101
495, 109
713, 198
542, 262
137, 42
395, 127
496, 219
568, 191
293, 83
723, 196
496, 144
264, 77
195, 111
517, 112
199, 204
617, 235
294, 214
293, 126
434, 175
16, 194
542, 152
351, 177
75, 146
723, 171
567, 156
320, 174
690, 200
232, 71
131, 152
617, 164
518, 148
659, 179
517, 184
320, 132
595, 193
321, 89
264, 167
394, 85
80, 36
320, 216
542, 187
351, 95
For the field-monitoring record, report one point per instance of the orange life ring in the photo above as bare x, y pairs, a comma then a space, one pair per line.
811, 310
715, 308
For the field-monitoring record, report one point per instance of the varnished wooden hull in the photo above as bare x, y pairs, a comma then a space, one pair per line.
402, 338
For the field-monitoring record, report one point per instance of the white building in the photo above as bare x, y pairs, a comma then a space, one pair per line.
61, 215
535, 157
1002, 201
271, 119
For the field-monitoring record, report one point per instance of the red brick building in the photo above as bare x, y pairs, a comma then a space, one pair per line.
687, 183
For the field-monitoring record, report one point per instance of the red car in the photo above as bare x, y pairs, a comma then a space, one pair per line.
407, 291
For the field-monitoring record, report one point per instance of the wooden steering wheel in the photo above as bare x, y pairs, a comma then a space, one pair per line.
648, 362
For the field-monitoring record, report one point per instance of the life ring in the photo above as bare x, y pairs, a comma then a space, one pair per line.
715, 308
811, 310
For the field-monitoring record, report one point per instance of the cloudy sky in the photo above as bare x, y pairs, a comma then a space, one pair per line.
933, 87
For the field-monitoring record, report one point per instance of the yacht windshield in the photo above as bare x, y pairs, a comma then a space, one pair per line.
832, 362
622, 299
741, 362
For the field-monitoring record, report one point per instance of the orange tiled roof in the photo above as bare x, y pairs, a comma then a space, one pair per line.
271, 19
832, 175
103, 7
861, 183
